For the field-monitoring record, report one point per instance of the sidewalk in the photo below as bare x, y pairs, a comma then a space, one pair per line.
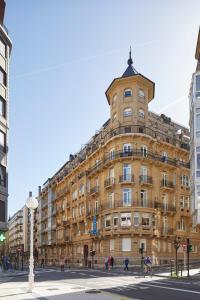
12, 273
51, 290
193, 272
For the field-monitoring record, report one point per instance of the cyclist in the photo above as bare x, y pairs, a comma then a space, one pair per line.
148, 265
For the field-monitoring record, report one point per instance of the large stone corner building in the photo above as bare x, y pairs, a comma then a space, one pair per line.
127, 188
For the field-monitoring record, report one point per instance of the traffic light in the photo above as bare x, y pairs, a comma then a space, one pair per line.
189, 248
92, 252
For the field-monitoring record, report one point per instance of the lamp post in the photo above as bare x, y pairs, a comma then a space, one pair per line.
32, 204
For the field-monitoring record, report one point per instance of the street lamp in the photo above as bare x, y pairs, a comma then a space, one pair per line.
32, 204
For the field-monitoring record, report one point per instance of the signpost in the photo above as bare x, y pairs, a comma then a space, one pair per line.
94, 232
184, 245
189, 249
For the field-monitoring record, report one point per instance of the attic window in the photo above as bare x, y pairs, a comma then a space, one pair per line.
127, 93
127, 112
141, 93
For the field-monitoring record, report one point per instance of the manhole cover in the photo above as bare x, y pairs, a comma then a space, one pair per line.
53, 289
93, 292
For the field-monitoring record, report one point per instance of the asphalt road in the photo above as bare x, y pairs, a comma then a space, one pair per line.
118, 283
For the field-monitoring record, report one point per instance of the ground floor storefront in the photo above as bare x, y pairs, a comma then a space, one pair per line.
93, 251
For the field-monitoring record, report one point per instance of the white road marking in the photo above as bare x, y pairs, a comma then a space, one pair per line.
169, 288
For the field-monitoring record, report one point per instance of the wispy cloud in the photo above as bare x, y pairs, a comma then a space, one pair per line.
78, 61
173, 103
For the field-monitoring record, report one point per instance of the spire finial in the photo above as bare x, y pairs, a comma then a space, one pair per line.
130, 61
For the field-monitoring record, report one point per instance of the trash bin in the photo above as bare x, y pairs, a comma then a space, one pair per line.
89, 264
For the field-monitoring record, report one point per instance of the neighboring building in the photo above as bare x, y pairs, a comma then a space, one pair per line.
15, 232
195, 138
127, 188
5, 49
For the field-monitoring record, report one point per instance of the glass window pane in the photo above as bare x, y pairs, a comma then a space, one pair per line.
2, 48
198, 83
198, 161
2, 107
2, 175
2, 139
198, 122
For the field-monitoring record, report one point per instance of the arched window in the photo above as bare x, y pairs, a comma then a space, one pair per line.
127, 112
164, 157
114, 99
127, 93
141, 113
141, 93
144, 150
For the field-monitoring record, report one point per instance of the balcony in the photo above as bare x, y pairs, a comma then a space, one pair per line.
166, 208
94, 190
165, 231
165, 184
131, 203
109, 182
126, 179
61, 192
146, 180
185, 212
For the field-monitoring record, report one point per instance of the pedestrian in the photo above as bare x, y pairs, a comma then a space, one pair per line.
62, 264
109, 262
42, 263
126, 262
106, 263
112, 262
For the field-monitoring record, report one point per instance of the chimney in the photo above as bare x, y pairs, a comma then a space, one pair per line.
39, 190
2, 10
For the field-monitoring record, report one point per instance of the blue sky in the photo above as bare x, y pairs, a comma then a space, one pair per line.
66, 53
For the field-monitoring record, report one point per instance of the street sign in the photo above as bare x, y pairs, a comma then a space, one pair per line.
94, 224
184, 247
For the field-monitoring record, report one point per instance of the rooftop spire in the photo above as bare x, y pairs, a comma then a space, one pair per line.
130, 71
130, 61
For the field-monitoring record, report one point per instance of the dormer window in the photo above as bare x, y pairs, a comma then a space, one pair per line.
114, 99
141, 113
141, 93
127, 93
127, 112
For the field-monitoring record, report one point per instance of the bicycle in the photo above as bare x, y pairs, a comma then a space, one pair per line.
147, 270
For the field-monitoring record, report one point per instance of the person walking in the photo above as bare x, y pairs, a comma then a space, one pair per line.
126, 262
109, 262
62, 264
106, 263
112, 262
42, 263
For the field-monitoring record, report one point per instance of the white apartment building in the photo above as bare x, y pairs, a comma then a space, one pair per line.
5, 49
195, 139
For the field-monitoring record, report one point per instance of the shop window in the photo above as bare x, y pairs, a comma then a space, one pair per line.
126, 244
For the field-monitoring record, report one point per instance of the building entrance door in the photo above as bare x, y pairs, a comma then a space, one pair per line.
85, 254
